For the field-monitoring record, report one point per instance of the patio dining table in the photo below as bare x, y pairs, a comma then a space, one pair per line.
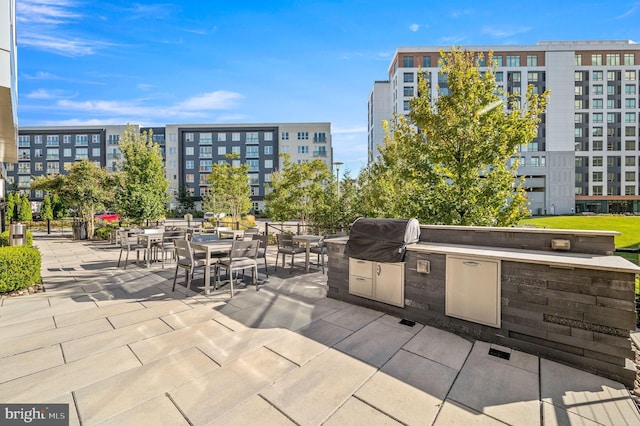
150, 240
210, 248
307, 241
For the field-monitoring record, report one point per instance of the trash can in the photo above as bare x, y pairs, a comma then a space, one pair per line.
79, 230
17, 234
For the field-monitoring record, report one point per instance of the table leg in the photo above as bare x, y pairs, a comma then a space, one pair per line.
207, 274
307, 253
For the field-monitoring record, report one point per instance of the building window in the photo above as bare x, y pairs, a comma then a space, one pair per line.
82, 140
82, 153
254, 165
408, 77
630, 103
408, 91
630, 75
24, 181
611, 104
66, 152
597, 89
598, 76
53, 154
630, 145
612, 117
596, 59
303, 136
222, 150
206, 151
252, 137
597, 104
597, 190
204, 180
629, 59
205, 139
235, 137
268, 150
577, 132
66, 139
578, 118
319, 151
630, 176
596, 177
285, 136
611, 90
268, 136
303, 149
173, 150
37, 139
253, 151
25, 168
426, 61
189, 178
95, 152
268, 164
534, 77
629, 160
95, 138
613, 59
630, 89
597, 146
319, 137
24, 154
597, 117
205, 166
578, 76
629, 190
578, 104
189, 150
513, 60
577, 59
532, 60
406, 105
235, 163
407, 61
629, 131
578, 90
596, 161
629, 117
38, 167
222, 137
53, 167
24, 141
612, 75
189, 164
188, 137
52, 140
284, 149
235, 150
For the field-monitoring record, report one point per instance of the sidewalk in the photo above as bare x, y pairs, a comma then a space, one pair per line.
122, 349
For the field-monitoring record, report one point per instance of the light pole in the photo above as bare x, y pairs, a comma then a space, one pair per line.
338, 164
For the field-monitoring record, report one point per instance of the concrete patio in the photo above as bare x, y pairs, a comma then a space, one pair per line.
121, 348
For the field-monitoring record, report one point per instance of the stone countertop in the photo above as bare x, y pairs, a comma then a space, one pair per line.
556, 259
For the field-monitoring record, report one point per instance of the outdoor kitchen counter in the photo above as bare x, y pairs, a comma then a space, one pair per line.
557, 259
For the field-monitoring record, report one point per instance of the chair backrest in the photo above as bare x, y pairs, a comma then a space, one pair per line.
183, 249
284, 240
201, 238
263, 242
244, 249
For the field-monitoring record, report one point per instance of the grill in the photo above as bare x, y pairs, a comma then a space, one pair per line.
381, 240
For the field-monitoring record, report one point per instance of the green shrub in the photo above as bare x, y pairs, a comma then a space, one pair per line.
19, 268
4, 238
104, 233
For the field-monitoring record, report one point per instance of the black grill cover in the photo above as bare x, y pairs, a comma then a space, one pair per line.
381, 240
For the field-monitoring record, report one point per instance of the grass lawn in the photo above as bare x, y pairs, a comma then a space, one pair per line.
628, 226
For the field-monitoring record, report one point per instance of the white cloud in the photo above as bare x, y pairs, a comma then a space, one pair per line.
505, 31
629, 12
220, 99
51, 12
46, 94
414, 27
463, 12
145, 86
61, 46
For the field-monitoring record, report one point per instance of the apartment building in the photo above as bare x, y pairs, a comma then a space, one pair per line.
189, 152
586, 154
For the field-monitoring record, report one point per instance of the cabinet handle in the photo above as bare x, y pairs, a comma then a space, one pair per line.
378, 269
471, 263
360, 261
360, 279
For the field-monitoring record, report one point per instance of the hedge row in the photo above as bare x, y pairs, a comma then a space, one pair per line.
19, 268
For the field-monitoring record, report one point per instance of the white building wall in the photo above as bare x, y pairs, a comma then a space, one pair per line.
8, 84
380, 108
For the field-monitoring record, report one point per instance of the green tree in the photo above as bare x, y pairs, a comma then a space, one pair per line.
58, 207
455, 160
11, 207
185, 201
25, 214
229, 189
142, 193
46, 209
336, 208
298, 190
84, 188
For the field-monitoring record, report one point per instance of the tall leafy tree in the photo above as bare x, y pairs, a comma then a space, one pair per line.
185, 200
46, 209
11, 206
456, 159
229, 189
143, 185
298, 190
85, 188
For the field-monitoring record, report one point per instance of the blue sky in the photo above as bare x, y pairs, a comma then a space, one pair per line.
112, 62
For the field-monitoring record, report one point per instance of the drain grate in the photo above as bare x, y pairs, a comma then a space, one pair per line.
405, 321
499, 354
